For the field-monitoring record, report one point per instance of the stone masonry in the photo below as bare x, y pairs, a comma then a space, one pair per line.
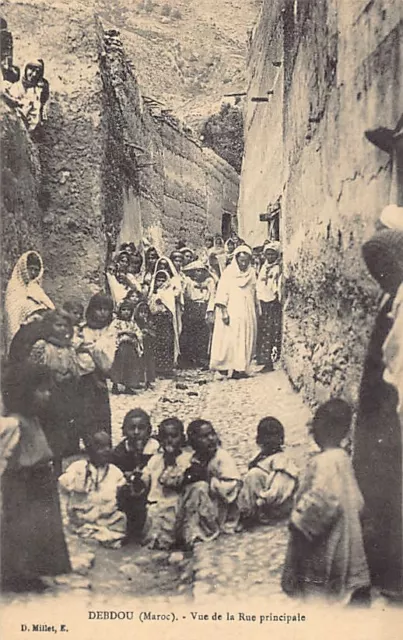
329, 71
107, 165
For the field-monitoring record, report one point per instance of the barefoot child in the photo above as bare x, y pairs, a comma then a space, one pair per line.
90, 487
164, 475
270, 484
325, 554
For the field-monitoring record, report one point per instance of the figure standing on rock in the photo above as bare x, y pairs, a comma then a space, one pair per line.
30, 95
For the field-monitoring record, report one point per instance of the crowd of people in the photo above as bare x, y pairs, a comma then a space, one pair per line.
174, 490
218, 309
172, 487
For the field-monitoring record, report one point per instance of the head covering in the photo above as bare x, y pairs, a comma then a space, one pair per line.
159, 272
196, 264
123, 252
171, 295
170, 264
242, 278
230, 240
23, 295
139, 306
175, 252
383, 255
184, 249
243, 248
392, 217
40, 66
175, 278
273, 245
150, 249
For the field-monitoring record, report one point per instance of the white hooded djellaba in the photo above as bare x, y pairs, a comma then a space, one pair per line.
233, 344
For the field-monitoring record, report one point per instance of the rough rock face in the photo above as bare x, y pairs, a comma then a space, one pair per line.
186, 53
104, 166
70, 146
335, 69
178, 189
21, 218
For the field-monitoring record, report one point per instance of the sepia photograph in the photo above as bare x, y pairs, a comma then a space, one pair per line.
201, 409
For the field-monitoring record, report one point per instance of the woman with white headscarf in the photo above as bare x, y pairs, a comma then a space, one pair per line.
235, 326
24, 294
176, 288
162, 305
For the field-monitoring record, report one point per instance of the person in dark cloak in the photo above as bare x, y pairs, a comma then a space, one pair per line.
378, 431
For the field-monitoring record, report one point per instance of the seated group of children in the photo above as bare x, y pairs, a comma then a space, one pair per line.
174, 491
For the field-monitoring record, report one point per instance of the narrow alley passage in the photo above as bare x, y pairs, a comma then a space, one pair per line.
251, 560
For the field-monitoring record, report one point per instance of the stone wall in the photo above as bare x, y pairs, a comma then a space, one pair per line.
105, 166
176, 187
70, 145
341, 75
262, 168
21, 220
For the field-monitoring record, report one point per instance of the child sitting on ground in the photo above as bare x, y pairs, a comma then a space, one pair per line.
131, 456
325, 555
270, 484
212, 483
89, 489
164, 475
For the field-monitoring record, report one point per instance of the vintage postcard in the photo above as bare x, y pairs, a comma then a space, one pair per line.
201, 319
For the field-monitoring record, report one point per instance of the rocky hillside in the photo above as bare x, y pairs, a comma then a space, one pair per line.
188, 53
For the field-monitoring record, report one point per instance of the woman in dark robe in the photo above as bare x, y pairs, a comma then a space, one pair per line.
32, 539
378, 432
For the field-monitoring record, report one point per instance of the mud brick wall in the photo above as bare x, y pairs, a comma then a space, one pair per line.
182, 190
101, 160
341, 75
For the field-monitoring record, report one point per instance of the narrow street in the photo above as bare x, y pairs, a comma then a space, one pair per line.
251, 560
210, 185
248, 561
